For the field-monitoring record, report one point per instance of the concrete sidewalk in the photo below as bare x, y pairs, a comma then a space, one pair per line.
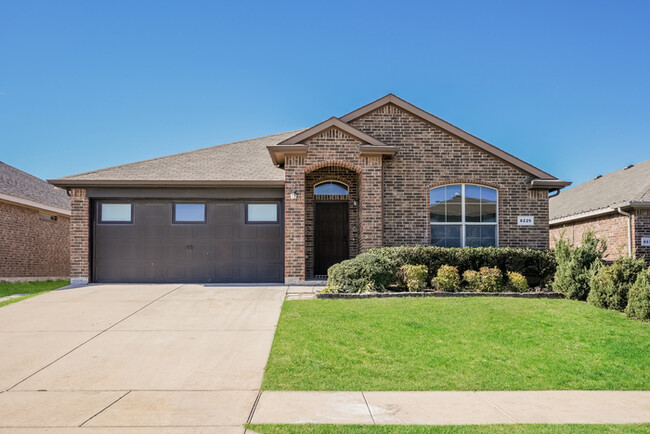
453, 408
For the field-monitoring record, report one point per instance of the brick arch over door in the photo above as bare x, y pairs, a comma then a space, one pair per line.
333, 163
339, 173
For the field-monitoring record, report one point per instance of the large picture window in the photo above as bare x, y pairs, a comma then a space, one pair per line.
463, 215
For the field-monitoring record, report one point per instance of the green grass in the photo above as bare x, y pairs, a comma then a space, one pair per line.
411, 429
29, 288
456, 344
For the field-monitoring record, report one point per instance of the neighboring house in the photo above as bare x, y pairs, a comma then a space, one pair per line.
286, 207
616, 206
34, 228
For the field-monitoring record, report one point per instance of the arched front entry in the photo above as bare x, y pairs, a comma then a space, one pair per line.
331, 218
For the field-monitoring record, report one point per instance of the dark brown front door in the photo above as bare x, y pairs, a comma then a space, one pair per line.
330, 235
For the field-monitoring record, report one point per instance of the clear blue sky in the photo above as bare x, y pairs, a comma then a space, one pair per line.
564, 85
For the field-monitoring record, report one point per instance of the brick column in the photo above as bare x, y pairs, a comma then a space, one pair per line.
79, 237
294, 220
370, 199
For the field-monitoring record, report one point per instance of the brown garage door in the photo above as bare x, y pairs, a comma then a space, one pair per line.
151, 247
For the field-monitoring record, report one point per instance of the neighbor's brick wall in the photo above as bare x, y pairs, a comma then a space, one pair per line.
641, 228
79, 236
611, 227
31, 246
428, 156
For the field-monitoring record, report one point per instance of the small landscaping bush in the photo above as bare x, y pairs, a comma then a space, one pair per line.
414, 277
609, 286
638, 305
575, 264
472, 279
365, 273
491, 279
517, 282
538, 266
447, 279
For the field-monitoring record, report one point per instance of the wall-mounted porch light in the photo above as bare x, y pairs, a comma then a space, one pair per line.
293, 195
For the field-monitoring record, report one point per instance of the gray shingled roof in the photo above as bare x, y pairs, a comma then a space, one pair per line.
246, 161
15, 182
615, 189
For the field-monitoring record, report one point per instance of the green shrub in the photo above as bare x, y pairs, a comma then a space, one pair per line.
491, 279
365, 273
413, 277
517, 282
638, 305
575, 265
538, 266
609, 286
473, 280
447, 279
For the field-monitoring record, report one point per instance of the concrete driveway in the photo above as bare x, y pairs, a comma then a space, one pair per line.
159, 358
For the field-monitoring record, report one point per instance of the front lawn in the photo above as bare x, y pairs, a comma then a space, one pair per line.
28, 288
479, 429
456, 344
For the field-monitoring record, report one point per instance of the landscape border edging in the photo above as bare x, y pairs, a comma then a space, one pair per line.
344, 295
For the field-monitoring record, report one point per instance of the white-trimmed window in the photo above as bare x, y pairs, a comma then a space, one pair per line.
463, 215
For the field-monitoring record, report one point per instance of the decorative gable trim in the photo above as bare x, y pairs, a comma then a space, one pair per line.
295, 144
325, 125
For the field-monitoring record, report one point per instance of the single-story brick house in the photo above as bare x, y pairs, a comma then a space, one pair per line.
34, 228
616, 206
285, 207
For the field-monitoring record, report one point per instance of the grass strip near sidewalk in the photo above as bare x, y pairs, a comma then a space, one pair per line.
452, 429
30, 289
456, 344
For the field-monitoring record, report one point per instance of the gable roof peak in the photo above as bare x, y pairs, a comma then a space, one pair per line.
452, 129
327, 124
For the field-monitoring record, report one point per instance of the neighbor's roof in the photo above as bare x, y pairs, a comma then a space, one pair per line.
626, 187
21, 187
244, 162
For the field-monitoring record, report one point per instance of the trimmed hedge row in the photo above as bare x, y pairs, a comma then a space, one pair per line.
378, 269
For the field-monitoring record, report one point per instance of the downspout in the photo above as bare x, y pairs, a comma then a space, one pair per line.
629, 229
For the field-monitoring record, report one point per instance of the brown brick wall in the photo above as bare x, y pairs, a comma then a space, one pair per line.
31, 245
79, 237
611, 227
641, 229
428, 156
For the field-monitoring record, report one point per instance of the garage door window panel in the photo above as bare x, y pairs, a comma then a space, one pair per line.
262, 213
115, 213
189, 213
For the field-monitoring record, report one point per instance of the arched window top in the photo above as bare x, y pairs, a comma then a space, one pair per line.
463, 215
331, 188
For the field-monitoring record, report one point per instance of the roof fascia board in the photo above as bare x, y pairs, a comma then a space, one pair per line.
583, 215
499, 153
594, 213
389, 151
33, 204
157, 183
548, 183
279, 152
